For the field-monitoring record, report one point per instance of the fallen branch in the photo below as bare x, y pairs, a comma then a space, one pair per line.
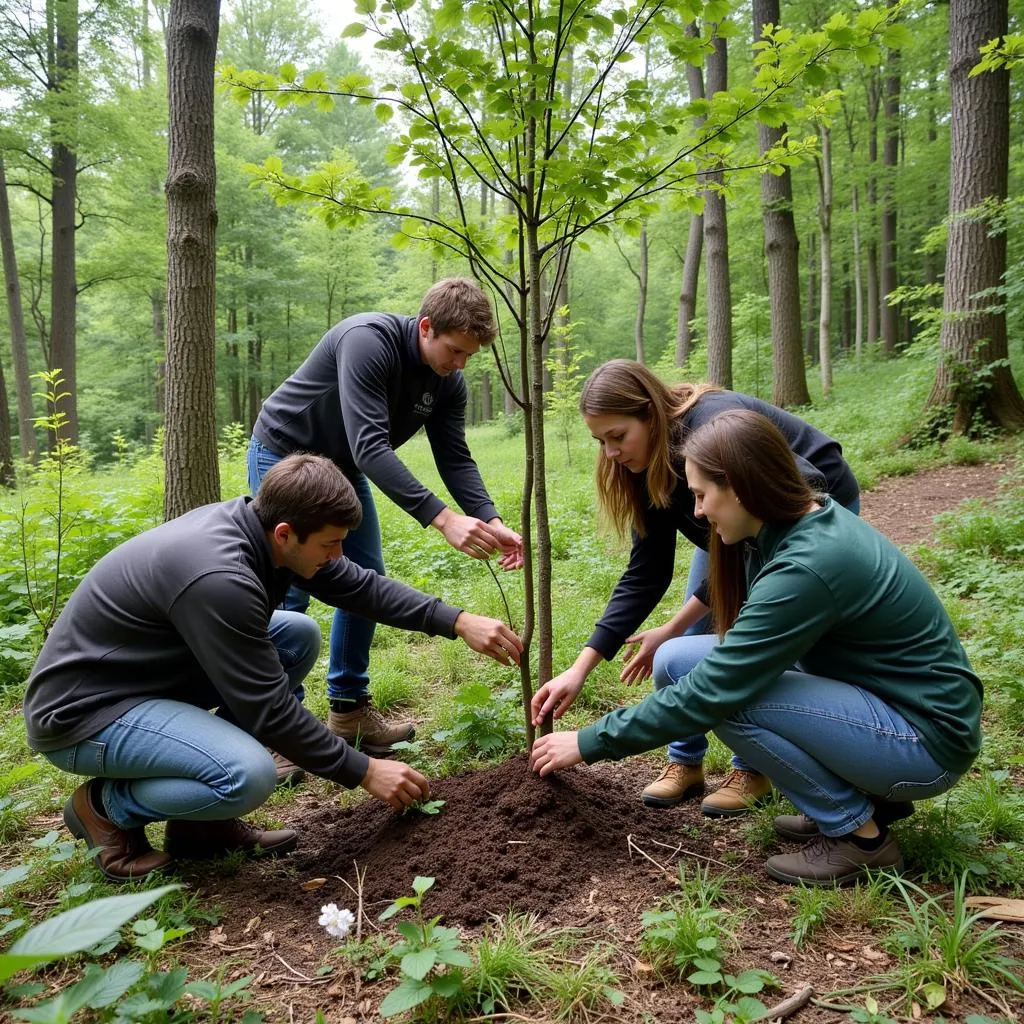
298, 974
698, 856
791, 1004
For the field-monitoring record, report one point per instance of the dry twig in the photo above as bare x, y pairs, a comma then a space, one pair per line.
791, 1004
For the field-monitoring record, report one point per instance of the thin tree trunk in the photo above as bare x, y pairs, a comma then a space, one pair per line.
716, 243
7, 475
782, 254
688, 286
972, 381
193, 475
825, 226
641, 299
810, 325
64, 168
19, 344
874, 95
858, 286
889, 271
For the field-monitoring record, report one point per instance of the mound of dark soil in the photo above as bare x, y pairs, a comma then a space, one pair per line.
504, 838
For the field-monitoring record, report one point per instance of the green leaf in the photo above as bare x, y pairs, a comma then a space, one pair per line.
288, 72
384, 112
934, 994
421, 883
407, 995
76, 930
15, 874
705, 978
365, 7
417, 965
448, 985
115, 981
353, 31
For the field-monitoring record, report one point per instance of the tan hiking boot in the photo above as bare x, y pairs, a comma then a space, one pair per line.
676, 783
825, 861
288, 773
366, 728
740, 791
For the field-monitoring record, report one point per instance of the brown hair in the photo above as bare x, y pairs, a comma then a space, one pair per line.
744, 450
459, 304
308, 492
623, 387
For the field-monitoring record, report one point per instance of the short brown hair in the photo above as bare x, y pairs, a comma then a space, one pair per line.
308, 492
744, 450
459, 304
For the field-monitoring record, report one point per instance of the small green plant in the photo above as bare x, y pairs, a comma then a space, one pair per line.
511, 962
429, 957
737, 1004
946, 951
687, 931
486, 724
814, 906
871, 1014
583, 985
567, 374
425, 807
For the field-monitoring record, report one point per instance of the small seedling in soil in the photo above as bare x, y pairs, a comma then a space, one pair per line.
425, 807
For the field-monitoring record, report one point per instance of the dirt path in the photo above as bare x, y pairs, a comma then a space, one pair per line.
904, 507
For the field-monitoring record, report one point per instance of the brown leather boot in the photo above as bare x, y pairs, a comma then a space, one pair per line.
676, 783
839, 861
206, 840
125, 854
288, 773
366, 728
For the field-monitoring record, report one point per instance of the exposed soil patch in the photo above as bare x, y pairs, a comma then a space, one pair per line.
904, 507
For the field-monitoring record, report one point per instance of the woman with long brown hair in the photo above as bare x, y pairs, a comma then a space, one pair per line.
640, 423
837, 673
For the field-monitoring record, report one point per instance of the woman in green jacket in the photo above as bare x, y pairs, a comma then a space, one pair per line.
837, 674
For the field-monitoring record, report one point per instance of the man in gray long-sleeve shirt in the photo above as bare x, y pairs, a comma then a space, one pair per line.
369, 385
180, 620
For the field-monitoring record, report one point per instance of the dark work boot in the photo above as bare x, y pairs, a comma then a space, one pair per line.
827, 861
361, 725
206, 840
125, 854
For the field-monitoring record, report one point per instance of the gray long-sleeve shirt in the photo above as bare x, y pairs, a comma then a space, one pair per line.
652, 557
182, 612
363, 392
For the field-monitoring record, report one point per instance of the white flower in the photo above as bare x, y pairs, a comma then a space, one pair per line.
338, 923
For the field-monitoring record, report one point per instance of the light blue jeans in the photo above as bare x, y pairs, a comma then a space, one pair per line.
692, 749
166, 759
348, 675
827, 745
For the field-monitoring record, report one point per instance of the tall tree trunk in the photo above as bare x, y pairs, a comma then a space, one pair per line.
874, 95
19, 344
695, 236
641, 299
234, 387
973, 335
889, 271
193, 476
811, 323
782, 253
716, 243
825, 228
858, 285
486, 397
64, 168
688, 286
7, 475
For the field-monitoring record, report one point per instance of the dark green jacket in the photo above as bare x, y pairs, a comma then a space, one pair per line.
843, 601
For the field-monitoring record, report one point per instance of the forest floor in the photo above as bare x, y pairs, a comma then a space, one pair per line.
578, 850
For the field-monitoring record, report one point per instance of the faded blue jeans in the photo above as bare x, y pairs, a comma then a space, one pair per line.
348, 675
827, 745
166, 759
692, 749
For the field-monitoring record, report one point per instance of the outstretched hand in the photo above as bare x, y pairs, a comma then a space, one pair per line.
639, 658
489, 636
555, 696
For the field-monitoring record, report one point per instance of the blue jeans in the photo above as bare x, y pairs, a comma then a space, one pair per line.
348, 675
692, 749
827, 745
166, 759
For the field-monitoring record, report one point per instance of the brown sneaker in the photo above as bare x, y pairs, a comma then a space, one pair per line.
366, 728
125, 853
796, 826
288, 773
206, 840
740, 791
676, 783
825, 861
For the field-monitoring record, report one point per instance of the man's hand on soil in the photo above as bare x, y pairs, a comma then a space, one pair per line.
394, 782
